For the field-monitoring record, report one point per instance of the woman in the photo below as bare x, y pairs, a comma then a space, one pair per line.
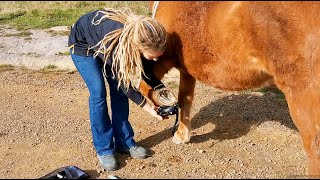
113, 43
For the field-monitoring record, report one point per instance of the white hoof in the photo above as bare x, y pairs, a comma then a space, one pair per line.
176, 140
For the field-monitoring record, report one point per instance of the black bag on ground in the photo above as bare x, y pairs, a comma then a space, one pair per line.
67, 172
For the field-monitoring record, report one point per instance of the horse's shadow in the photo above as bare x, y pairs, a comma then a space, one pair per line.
232, 117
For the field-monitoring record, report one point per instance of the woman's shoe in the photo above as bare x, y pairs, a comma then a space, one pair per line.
108, 162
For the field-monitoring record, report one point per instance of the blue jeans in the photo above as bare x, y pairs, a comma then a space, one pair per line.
107, 136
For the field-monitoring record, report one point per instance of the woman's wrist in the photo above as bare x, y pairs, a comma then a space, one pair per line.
150, 109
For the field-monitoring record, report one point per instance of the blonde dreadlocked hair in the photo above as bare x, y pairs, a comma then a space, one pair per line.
139, 33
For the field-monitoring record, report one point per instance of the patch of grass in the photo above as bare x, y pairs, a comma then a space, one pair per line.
54, 71
173, 85
263, 90
244, 92
11, 15
22, 67
58, 33
32, 54
46, 14
71, 71
6, 67
19, 34
39, 19
28, 39
280, 96
63, 53
49, 68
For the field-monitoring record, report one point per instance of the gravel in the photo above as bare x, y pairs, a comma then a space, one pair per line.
45, 125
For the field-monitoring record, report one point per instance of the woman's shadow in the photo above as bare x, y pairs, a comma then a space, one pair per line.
232, 117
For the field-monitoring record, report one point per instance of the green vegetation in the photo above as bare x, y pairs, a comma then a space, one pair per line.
49, 68
280, 96
32, 54
243, 92
28, 39
58, 33
20, 34
64, 53
24, 15
173, 85
54, 69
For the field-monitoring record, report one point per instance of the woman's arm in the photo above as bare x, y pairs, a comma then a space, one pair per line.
149, 76
140, 100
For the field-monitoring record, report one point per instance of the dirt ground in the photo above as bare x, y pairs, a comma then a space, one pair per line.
45, 125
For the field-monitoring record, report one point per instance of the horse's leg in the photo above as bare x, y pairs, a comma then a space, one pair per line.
158, 71
185, 98
147, 91
304, 109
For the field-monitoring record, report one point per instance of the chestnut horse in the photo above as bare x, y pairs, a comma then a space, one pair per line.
246, 45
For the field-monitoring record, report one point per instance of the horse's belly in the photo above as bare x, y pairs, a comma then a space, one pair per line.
233, 78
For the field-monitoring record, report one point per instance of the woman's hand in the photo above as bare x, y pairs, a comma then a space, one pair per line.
151, 110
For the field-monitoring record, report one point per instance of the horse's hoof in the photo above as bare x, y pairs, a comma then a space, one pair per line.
177, 140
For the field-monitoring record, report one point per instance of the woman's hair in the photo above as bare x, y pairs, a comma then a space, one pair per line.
139, 34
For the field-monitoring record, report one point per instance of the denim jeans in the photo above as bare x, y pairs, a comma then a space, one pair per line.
107, 135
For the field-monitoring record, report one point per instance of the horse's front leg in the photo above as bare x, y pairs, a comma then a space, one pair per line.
147, 91
185, 98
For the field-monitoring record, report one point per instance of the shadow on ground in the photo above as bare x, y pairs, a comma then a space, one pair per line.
92, 173
233, 116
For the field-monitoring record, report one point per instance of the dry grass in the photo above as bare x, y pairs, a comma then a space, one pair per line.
6, 67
